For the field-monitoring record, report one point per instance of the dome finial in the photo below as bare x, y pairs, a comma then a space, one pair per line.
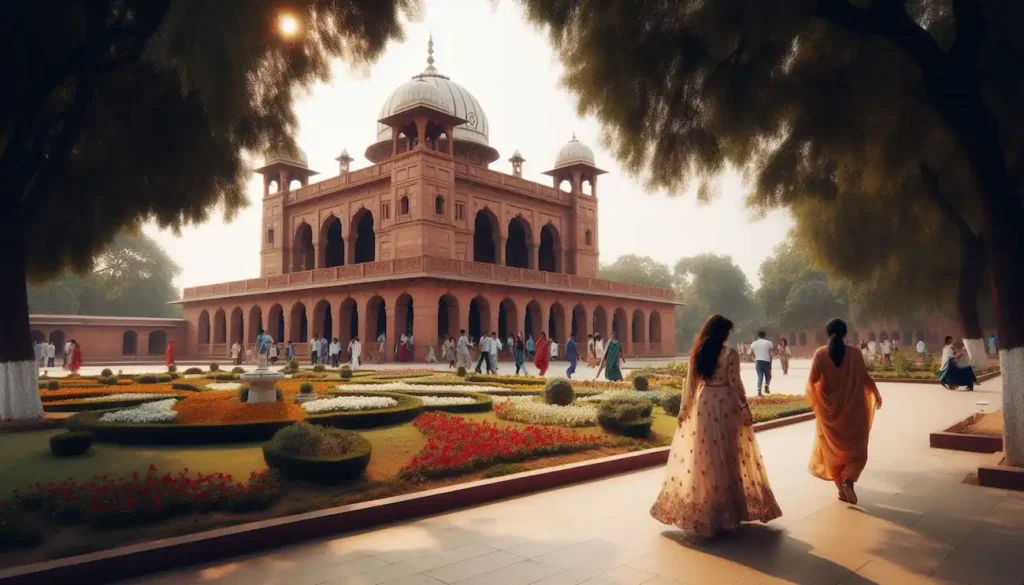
430, 56
574, 137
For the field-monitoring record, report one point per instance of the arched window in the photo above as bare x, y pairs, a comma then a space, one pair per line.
565, 186
157, 343
270, 236
403, 206
588, 238
129, 343
439, 205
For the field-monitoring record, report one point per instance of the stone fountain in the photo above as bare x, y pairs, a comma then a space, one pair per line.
261, 382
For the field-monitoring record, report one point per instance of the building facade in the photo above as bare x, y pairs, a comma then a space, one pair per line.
110, 340
428, 241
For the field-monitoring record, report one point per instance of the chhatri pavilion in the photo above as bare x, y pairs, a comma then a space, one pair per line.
428, 241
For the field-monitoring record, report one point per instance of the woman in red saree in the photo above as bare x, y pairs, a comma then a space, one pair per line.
169, 361
76, 357
844, 399
543, 354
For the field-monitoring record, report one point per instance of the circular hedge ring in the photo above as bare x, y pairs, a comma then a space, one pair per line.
172, 433
347, 467
408, 408
70, 444
481, 402
83, 405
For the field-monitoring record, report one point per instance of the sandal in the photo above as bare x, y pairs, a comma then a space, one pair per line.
851, 496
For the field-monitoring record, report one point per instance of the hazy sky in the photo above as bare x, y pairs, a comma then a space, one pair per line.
510, 67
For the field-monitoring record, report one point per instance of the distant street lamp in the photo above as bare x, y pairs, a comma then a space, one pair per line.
287, 25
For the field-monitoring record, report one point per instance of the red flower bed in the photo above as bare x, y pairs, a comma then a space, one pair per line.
105, 501
456, 444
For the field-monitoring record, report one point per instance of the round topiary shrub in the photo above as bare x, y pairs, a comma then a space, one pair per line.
146, 379
172, 369
305, 388
238, 370
316, 453
672, 403
165, 378
107, 381
345, 372
318, 368
626, 417
243, 394
640, 383
184, 386
52, 385
559, 391
461, 372
214, 367
106, 373
293, 365
193, 371
70, 444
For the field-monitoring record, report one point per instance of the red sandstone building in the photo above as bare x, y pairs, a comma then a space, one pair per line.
428, 240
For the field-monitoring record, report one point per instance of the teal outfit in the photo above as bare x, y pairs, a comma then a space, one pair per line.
612, 360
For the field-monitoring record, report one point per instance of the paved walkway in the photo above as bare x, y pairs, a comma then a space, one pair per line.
917, 523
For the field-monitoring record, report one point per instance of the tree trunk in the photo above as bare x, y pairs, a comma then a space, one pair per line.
972, 274
19, 385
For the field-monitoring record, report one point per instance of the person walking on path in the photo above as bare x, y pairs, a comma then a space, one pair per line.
76, 357
762, 350
887, 352
844, 399
951, 374
591, 354
355, 350
485, 354
66, 356
611, 360
169, 356
571, 355
431, 355
784, 352
715, 478
462, 349
531, 347
520, 355
38, 348
542, 355
448, 352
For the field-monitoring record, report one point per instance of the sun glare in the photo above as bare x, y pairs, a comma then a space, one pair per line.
288, 25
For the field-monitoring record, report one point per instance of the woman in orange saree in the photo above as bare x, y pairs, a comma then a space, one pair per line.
844, 399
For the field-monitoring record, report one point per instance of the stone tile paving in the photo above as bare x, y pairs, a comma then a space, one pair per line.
917, 524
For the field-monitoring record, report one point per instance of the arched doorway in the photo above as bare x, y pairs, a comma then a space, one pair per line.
655, 330
331, 243
237, 326
479, 317
855, 337
508, 319
485, 237
637, 334
298, 326
38, 336
57, 338
532, 322
376, 319
348, 322
220, 327
619, 325
404, 320
256, 324
157, 342
129, 343
883, 336
517, 248
365, 244
275, 322
549, 257
872, 337
919, 336
556, 324
601, 322
303, 256
323, 321
447, 317
580, 327
803, 338
203, 335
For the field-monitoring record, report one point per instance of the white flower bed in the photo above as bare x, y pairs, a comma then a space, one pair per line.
528, 410
348, 403
151, 412
127, 396
192, 376
652, 395
223, 386
446, 400
405, 386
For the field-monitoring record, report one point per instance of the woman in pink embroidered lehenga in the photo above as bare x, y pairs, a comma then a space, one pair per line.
715, 478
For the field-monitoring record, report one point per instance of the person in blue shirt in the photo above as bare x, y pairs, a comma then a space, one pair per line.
289, 352
572, 355
529, 347
263, 342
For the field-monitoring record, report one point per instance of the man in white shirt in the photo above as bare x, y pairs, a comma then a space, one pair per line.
920, 347
355, 349
333, 351
486, 345
762, 350
51, 353
67, 354
887, 351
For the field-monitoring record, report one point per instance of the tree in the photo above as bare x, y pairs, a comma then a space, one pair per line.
132, 277
711, 284
119, 111
638, 270
794, 294
811, 97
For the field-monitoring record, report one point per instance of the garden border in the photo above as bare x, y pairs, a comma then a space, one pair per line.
982, 378
408, 408
81, 405
170, 553
171, 433
951, 438
997, 474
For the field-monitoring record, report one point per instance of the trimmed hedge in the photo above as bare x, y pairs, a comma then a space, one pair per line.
345, 372
483, 402
70, 444
510, 380
185, 386
626, 417
193, 370
106, 373
82, 405
408, 408
329, 470
559, 391
108, 381
672, 403
640, 383
173, 434
223, 377
238, 370
150, 379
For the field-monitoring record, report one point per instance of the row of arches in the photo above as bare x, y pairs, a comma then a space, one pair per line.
362, 243
908, 337
518, 249
347, 320
156, 341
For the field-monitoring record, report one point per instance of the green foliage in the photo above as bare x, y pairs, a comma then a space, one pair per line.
305, 388
293, 365
225, 377
461, 372
172, 369
672, 402
559, 391
317, 453
796, 295
903, 363
627, 417
70, 444
238, 370
640, 383
147, 379
52, 385
193, 371
318, 368
106, 372
345, 372
185, 387
503, 469
107, 381
713, 284
638, 270
214, 367
16, 531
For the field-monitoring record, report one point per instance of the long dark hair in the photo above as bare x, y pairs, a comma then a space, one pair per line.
708, 345
836, 330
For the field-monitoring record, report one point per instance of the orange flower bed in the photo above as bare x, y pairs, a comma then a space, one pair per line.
70, 392
291, 387
224, 408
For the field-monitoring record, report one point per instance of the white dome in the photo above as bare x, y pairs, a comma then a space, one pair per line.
417, 92
453, 97
574, 152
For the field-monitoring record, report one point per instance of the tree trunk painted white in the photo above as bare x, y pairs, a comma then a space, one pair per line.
19, 391
1011, 362
976, 353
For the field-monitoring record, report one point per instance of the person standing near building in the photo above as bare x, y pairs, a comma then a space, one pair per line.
554, 348
236, 354
531, 347
784, 353
462, 349
289, 351
485, 353
920, 348
51, 353
263, 341
542, 356
887, 352
355, 349
495, 350
762, 350
38, 349
66, 356
76, 357
571, 355
334, 351
591, 354
169, 354
520, 354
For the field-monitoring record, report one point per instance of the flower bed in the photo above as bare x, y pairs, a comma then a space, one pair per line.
406, 408
432, 388
105, 402
399, 374
453, 402
151, 412
651, 395
225, 408
80, 392
529, 410
319, 454
775, 406
224, 386
106, 501
456, 444
345, 403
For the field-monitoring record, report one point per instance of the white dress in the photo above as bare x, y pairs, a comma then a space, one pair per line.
357, 349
